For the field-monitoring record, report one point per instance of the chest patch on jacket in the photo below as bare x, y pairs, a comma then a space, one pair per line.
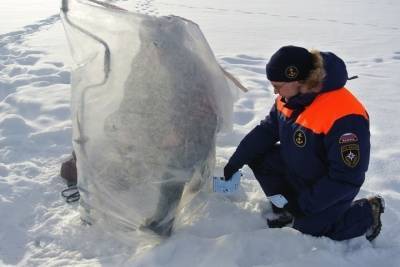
299, 138
350, 154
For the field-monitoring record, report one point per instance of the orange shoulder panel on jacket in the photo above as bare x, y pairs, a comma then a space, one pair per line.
281, 107
327, 108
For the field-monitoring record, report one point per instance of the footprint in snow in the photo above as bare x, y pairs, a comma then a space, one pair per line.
58, 137
26, 169
146, 7
43, 72
4, 171
27, 108
15, 71
16, 62
19, 36
29, 60
56, 64
13, 124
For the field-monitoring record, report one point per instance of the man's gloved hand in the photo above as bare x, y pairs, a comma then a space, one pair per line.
293, 207
229, 171
293, 203
283, 220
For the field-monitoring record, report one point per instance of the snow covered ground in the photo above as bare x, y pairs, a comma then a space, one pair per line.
37, 228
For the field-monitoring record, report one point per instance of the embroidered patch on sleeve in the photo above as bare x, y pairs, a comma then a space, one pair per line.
348, 138
350, 154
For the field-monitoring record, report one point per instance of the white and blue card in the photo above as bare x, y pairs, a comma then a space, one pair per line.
278, 200
227, 187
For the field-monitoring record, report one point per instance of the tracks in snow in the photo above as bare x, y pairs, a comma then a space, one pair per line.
34, 100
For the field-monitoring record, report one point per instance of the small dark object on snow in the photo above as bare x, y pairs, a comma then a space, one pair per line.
352, 77
71, 194
68, 170
70, 174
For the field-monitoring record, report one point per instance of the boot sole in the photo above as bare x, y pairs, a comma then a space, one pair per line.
382, 204
379, 228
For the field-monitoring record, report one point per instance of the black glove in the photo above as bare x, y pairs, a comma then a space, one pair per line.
283, 220
229, 171
293, 204
293, 207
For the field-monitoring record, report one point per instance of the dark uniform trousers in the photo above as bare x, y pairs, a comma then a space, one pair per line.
344, 220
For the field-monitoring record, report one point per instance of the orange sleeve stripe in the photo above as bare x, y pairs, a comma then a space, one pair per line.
327, 108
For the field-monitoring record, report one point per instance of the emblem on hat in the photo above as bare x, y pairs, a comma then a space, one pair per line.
299, 138
292, 72
350, 154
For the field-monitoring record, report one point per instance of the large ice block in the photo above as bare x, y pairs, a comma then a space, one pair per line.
148, 98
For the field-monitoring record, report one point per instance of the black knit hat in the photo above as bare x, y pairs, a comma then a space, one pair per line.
289, 63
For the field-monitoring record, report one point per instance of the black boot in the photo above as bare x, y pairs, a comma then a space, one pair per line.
378, 207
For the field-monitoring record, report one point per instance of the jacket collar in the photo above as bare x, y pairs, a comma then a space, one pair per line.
299, 101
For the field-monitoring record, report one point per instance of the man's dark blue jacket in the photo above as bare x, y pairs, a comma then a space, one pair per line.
324, 139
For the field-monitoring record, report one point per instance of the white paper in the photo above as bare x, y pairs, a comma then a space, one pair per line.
226, 187
278, 200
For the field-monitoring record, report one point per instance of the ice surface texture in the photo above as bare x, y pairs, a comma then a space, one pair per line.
148, 98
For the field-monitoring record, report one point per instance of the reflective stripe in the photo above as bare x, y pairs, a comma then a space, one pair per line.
326, 109
281, 107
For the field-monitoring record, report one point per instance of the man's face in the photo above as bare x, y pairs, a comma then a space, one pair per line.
286, 89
